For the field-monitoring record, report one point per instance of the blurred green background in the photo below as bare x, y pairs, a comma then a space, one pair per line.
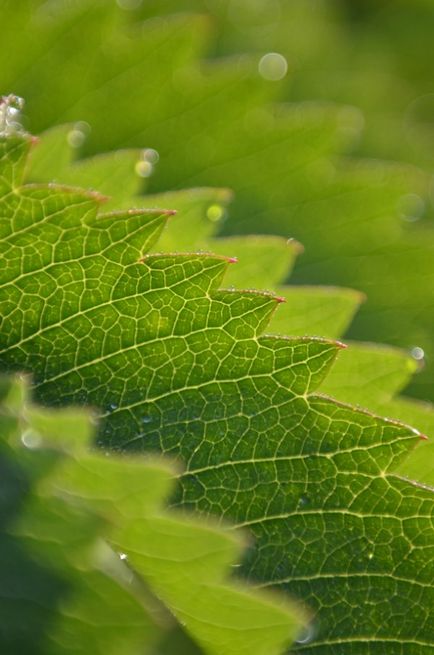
319, 114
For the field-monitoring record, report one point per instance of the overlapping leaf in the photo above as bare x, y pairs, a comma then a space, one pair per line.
53, 582
180, 366
89, 553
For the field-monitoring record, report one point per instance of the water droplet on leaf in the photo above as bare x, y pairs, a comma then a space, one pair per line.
417, 353
411, 207
31, 439
77, 136
306, 636
215, 213
144, 168
10, 108
273, 66
151, 155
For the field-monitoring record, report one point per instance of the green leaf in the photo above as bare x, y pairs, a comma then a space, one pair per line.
52, 582
370, 375
420, 466
89, 552
182, 367
262, 261
282, 161
373, 376
319, 310
366, 375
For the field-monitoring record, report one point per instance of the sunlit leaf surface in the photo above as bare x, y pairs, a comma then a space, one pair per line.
180, 366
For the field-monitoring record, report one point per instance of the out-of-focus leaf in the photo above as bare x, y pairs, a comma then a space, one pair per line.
56, 595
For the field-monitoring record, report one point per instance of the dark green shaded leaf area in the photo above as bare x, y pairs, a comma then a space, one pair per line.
181, 366
51, 584
29, 589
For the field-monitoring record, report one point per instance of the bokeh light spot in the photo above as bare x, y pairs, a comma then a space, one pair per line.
273, 66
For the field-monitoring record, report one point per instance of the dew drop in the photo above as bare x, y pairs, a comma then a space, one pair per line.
146, 419
31, 439
306, 636
417, 353
370, 555
113, 406
123, 556
411, 207
144, 168
81, 397
273, 66
215, 213
151, 155
304, 500
77, 136
15, 104
10, 108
